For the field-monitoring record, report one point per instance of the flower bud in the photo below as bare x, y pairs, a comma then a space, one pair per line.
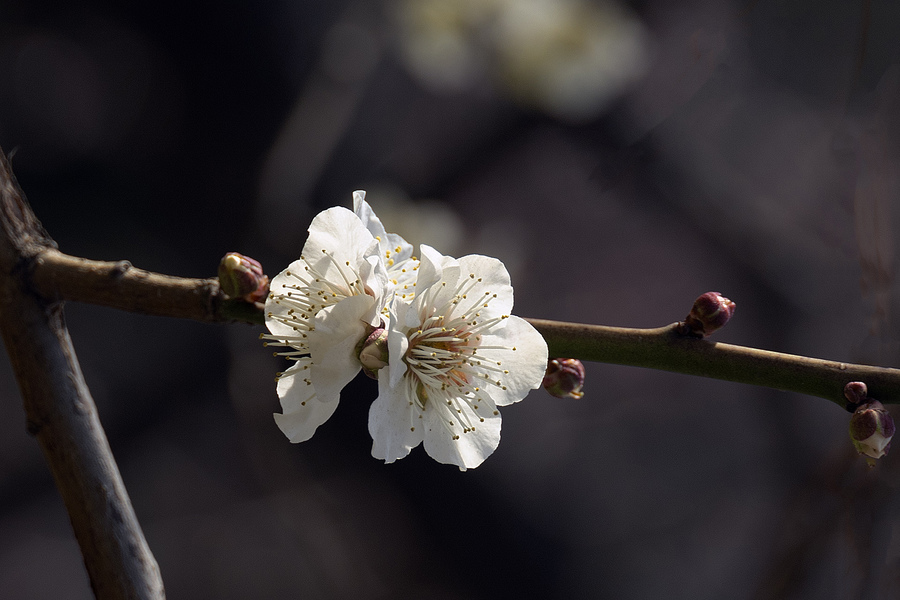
242, 277
564, 378
710, 312
373, 352
871, 430
856, 392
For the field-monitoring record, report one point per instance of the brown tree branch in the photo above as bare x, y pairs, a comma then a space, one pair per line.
119, 285
666, 349
62, 416
55, 275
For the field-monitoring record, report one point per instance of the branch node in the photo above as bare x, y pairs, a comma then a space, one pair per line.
119, 269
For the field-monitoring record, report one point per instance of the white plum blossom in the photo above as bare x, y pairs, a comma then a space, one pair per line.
435, 332
319, 309
455, 355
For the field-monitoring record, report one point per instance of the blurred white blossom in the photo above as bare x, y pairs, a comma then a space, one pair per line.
569, 58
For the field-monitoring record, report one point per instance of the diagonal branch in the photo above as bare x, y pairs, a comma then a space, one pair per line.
62, 416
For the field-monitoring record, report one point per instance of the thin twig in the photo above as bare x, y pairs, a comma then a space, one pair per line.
666, 349
62, 416
55, 275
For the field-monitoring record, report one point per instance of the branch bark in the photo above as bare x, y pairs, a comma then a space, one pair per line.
666, 349
59, 276
62, 415
119, 285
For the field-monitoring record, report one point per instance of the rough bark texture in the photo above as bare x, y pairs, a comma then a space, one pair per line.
62, 416
120, 285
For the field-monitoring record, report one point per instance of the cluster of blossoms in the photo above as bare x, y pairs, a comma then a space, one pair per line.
436, 332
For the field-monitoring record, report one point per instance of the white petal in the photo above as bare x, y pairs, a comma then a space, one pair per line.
337, 244
471, 447
395, 241
526, 364
303, 412
437, 282
360, 206
429, 271
279, 285
375, 281
482, 277
366, 215
332, 345
393, 423
390, 244
398, 343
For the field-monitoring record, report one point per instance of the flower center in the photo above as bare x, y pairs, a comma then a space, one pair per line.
438, 356
446, 372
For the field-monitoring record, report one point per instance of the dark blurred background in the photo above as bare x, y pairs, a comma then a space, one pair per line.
620, 157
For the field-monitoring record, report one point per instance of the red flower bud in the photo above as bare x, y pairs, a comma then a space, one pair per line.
564, 378
242, 277
710, 312
856, 392
871, 430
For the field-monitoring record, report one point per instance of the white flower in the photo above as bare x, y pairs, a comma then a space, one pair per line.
320, 308
452, 353
456, 354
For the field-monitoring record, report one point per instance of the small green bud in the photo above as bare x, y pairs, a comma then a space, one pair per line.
564, 378
710, 312
373, 352
242, 277
871, 430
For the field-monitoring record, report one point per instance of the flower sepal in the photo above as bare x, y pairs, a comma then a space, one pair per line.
242, 277
564, 378
373, 351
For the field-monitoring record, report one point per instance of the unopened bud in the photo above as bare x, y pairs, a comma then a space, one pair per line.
564, 378
373, 352
871, 430
856, 392
710, 312
242, 277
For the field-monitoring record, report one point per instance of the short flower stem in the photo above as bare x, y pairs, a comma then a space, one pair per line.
666, 349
